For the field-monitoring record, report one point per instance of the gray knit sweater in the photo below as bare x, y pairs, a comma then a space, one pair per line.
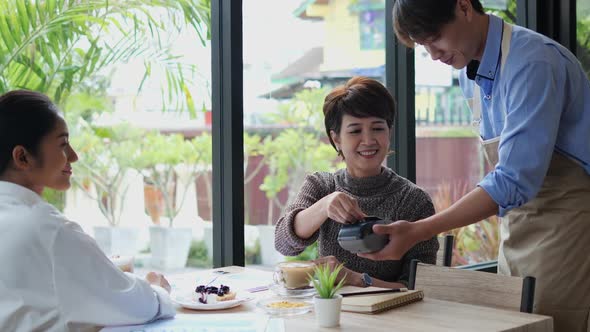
387, 196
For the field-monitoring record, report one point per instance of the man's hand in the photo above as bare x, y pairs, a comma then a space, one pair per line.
403, 235
158, 279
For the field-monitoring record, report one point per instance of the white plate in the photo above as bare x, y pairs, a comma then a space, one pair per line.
187, 301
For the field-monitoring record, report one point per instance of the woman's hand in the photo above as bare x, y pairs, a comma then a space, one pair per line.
351, 277
337, 206
158, 279
342, 208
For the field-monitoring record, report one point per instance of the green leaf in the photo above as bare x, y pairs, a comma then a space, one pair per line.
31, 13
325, 280
15, 29
5, 33
51, 6
189, 102
23, 15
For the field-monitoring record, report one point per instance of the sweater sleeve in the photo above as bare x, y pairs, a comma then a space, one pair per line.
418, 206
314, 188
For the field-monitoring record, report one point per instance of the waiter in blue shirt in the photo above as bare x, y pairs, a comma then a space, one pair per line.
530, 100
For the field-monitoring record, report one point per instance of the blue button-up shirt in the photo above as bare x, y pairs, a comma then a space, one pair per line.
539, 103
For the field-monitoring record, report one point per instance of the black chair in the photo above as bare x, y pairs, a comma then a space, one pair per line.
444, 256
489, 266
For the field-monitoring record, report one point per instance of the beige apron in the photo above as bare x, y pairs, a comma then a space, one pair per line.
549, 237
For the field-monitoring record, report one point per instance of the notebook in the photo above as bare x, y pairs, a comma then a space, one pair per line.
375, 303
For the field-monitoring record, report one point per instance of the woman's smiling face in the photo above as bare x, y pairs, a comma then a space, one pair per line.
364, 143
52, 165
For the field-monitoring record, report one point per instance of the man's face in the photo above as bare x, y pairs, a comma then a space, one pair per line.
455, 44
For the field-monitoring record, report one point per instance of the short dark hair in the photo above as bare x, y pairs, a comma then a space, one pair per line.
423, 19
25, 118
360, 97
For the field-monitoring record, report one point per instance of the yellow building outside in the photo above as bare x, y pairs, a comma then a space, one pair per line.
354, 33
342, 45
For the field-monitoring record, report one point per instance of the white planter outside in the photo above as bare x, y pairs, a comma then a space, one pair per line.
268, 254
169, 247
116, 240
327, 311
208, 238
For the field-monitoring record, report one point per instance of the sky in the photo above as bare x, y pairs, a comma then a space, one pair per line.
273, 34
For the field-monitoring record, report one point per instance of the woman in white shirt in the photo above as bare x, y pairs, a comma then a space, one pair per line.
53, 277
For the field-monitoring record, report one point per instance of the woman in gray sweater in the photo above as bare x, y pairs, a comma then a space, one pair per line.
358, 118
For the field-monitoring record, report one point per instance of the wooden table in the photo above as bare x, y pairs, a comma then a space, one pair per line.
423, 316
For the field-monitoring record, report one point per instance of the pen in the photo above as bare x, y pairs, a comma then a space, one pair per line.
393, 290
257, 289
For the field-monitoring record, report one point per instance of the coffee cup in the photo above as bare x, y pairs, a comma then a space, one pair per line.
124, 263
294, 274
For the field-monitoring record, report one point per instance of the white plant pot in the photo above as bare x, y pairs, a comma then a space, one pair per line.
268, 254
116, 240
169, 247
327, 311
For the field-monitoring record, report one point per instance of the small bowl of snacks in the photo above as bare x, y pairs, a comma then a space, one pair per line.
277, 306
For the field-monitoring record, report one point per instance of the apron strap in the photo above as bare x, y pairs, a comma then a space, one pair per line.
476, 103
506, 37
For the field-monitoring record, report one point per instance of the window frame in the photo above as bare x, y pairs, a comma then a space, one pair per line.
554, 18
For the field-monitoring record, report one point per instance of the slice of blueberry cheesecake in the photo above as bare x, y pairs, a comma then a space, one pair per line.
211, 294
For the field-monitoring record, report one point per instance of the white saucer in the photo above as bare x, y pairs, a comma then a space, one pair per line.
286, 292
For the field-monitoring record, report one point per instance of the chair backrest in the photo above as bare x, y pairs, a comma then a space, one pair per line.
473, 287
444, 255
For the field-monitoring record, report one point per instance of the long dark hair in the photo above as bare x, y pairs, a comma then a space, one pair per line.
25, 118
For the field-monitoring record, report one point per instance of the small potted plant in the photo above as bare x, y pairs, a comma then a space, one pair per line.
327, 304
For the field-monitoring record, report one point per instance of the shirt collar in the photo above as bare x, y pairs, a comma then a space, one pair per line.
19, 193
491, 54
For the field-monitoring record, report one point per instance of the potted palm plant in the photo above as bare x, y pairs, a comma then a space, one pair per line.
169, 164
327, 304
103, 173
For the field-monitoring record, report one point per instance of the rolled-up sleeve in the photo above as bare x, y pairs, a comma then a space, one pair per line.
528, 138
92, 291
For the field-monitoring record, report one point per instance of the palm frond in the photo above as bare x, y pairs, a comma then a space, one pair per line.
51, 46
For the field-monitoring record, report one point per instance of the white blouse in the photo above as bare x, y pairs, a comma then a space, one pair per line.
53, 276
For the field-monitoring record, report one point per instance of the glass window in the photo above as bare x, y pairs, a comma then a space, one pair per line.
288, 70
372, 29
583, 33
136, 96
449, 161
